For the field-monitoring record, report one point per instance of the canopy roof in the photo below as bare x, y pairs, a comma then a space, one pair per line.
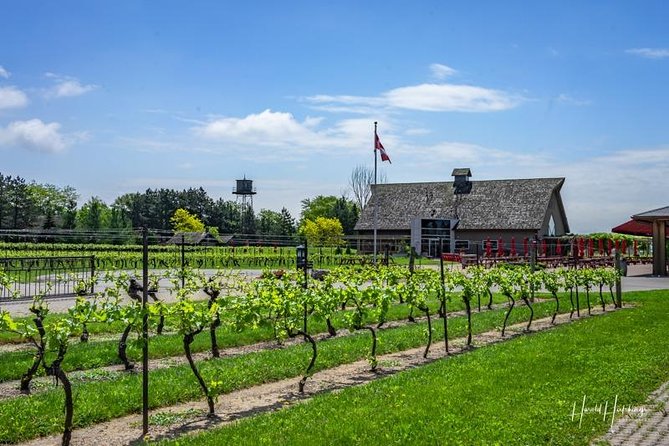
634, 227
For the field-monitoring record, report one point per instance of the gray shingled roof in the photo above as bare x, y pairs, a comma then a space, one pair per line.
493, 204
655, 214
464, 171
191, 238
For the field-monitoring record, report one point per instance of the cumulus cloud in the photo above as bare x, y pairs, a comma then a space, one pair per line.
283, 134
12, 97
649, 53
66, 86
267, 127
34, 135
440, 71
4, 73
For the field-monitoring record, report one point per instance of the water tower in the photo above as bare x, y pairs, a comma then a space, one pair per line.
245, 192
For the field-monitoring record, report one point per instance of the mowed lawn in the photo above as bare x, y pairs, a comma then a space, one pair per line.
517, 393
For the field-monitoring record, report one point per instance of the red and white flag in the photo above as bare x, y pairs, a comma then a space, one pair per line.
378, 146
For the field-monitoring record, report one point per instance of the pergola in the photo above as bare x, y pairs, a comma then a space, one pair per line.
658, 219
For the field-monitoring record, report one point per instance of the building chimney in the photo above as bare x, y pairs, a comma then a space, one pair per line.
461, 183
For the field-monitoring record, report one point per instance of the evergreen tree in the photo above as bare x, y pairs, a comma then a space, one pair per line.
287, 223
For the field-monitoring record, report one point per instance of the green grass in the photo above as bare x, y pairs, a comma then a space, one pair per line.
404, 260
95, 328
96, 401
520, 392
98, 354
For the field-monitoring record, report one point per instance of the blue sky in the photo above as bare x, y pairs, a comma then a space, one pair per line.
116, 97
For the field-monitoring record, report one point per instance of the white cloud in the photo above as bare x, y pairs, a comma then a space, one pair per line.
448, 154
35, 135
12, 97
273, 135
67, 86
649, 53
268, 127
4, 73
441, 97
417, 131
363, 105
450, 97
569, 100
440, 71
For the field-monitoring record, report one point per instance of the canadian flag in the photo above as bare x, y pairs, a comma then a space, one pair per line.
378, 146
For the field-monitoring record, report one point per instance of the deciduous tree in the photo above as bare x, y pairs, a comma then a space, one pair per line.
184, 221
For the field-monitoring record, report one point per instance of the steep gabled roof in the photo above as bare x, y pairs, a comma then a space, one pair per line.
491, 205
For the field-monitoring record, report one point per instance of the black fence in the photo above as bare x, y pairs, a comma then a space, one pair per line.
53, 276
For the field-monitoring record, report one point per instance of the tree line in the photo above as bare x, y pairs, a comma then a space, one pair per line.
31, 205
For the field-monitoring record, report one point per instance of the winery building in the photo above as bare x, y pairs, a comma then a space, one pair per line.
461, 214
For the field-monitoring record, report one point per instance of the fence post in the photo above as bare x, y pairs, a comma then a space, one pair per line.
533, 253
92, 274
443, 290
145, 332
183, 260
619, 291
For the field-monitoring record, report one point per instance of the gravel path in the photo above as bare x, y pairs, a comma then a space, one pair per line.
276, 395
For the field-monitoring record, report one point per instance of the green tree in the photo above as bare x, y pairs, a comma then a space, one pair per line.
184, 221
213, 230
52, 203
343, 209
320, 206
347, 212
17, 207
323, 231
225, 216
287, 223
69, 220
269, 222
93, 215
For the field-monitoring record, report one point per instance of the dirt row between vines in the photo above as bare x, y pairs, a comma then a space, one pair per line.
190, 419
10, 389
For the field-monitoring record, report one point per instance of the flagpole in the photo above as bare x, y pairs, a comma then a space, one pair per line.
377, 198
